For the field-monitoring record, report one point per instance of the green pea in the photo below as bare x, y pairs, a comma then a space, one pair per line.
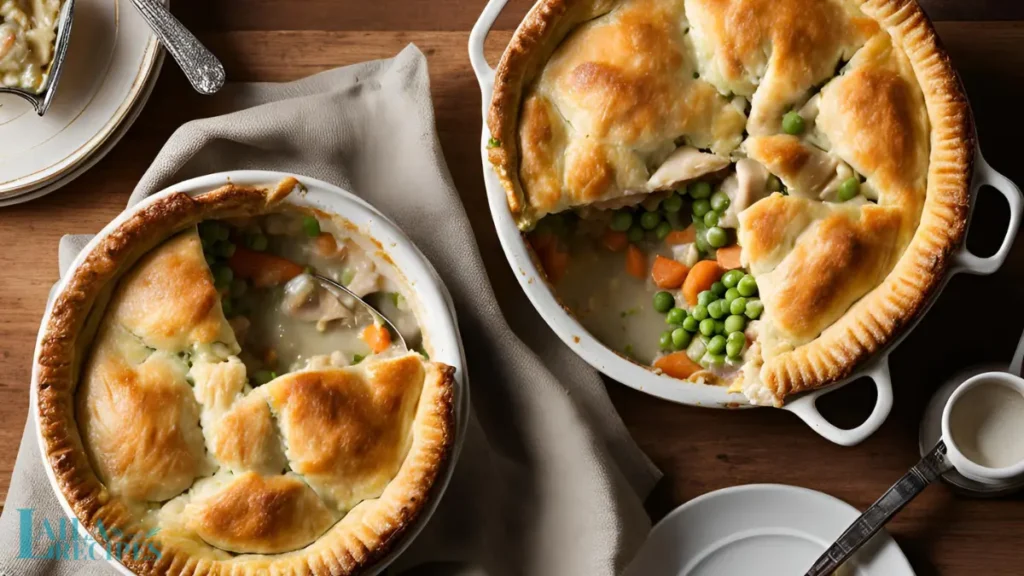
732, 278
707, 327
734, 349
673, 203
224, 249
754, 309
774, 184
680, 339
747, 286
792, 123
717, 237
650, 220
701, 207
691, 324
737, 337
848, 189
702, 239
347, 276
719, 327
718, 289
662, 230
663, 302
735, 323
717, 344
700, 190
263, 376
715, 309
714, 359
699, 312
720, 201
257, 242
635, 234
730, 295
621, 221
222, 276
311, 226
675, 316
665, 340
357, 358
711, 218
737, 305
706, 297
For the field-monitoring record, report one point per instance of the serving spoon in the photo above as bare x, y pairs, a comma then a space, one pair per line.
203, 70
41, 101
374, 312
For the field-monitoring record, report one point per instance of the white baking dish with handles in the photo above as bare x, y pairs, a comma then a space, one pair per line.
635, 376
435, 309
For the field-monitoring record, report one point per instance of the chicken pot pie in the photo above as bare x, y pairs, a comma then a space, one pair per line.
209, 409
749, 193
28, 31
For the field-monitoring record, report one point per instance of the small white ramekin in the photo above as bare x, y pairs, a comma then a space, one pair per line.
963, 464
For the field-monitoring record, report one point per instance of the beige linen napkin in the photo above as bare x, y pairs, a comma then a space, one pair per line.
549, 481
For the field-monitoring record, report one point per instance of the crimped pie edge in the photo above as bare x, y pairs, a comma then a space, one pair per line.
874, 319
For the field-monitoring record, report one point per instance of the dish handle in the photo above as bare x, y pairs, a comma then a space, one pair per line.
484, 72
805, 407
985, 175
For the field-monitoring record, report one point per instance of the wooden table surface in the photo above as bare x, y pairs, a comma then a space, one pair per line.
699, 450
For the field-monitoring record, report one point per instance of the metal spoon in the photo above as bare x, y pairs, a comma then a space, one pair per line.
373, 311
929, 469
200, 66
41, 100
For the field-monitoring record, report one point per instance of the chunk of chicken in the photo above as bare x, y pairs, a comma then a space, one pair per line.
748, 185
304, 299
686, 163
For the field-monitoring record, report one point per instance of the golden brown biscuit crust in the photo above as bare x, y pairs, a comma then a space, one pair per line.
359, 539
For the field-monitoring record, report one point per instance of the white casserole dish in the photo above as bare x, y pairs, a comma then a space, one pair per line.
635, 376
435, 310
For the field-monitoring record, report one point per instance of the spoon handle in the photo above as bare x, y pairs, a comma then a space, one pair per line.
200, 66
933, 465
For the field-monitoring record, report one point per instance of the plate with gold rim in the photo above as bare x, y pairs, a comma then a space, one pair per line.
106, 80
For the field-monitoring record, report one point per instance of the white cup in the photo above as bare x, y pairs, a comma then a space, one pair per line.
955, 452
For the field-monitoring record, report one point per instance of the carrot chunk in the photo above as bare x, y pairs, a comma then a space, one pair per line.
678, 237
325, 244
729, 257
667, 273
262, 268
555, 261
636, 262
700, 278
377, 337
614, 241
677, 365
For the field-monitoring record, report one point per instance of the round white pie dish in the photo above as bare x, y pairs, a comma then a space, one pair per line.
436, 310
635, 376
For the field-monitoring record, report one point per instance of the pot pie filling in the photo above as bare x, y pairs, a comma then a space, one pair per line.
28, 30
239, 408
711, 184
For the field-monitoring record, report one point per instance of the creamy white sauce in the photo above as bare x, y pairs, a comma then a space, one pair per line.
27, 34
613, 306
987, 425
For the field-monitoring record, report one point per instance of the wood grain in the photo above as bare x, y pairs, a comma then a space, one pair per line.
976, 321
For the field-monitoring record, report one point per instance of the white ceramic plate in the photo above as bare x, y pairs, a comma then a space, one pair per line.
437, 311
104, 83
762, 529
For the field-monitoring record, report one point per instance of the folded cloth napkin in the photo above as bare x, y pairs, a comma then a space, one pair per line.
548, 481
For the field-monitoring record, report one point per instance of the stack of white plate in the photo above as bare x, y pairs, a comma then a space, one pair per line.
112, 63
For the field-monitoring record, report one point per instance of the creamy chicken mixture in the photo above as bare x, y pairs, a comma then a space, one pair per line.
28, 29
286, 320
